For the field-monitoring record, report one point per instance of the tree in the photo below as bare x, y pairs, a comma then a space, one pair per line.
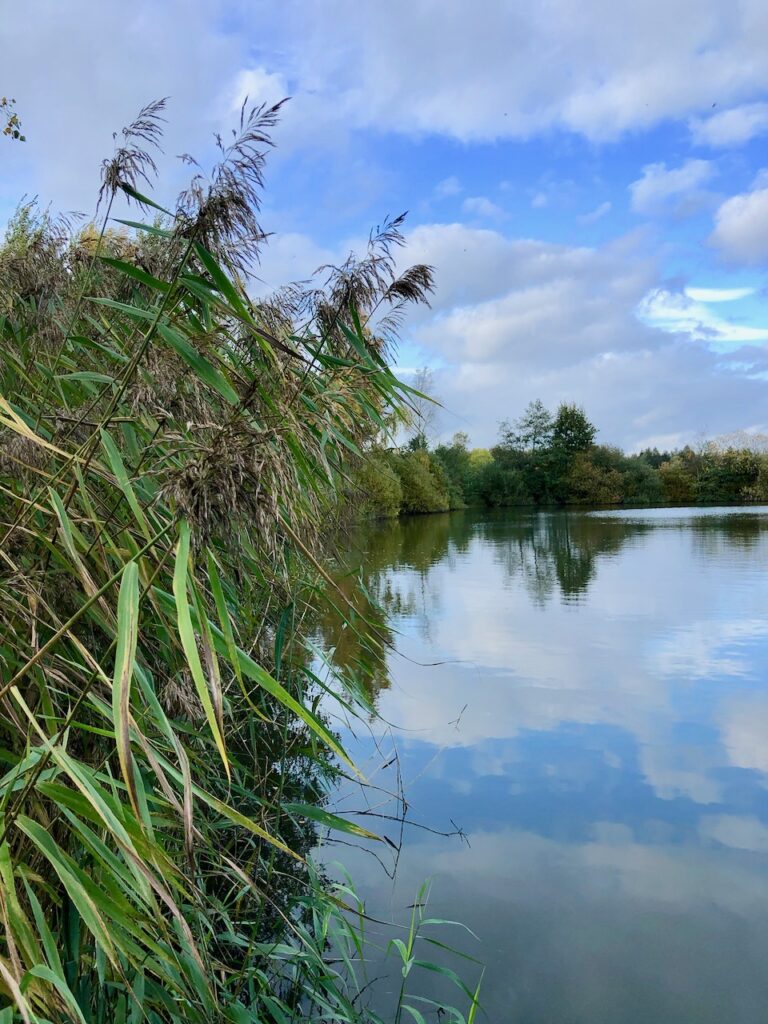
530, 433
418, 443
423, 407
572, 432
455, 460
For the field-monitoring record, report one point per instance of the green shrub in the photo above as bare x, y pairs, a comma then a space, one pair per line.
592, 484
498, 486
423, 486
377, 491
677, 481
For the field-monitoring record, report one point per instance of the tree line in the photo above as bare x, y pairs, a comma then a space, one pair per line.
552, 459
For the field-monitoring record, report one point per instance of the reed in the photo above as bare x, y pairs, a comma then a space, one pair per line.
171, 452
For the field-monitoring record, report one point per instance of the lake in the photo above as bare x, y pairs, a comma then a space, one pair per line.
597, 727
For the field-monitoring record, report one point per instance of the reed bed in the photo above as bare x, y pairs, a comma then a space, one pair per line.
171, 453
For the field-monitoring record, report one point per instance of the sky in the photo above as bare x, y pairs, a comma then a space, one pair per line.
589, 181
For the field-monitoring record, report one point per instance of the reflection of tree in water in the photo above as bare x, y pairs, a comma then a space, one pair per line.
736, 533
556, 551
356, 634
387, 578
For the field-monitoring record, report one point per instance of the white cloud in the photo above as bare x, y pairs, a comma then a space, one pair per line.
519, 318
448, 187
515, 70
595, 215
679, 311
289, 257
257, 85
652, 193
718, 294
741, 227
539, 201
514, 317
511, 71
731, 127
102, 63
481, 206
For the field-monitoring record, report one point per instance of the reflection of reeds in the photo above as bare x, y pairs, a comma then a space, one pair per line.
170, 451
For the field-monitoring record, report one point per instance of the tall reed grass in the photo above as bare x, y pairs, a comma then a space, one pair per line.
171, 453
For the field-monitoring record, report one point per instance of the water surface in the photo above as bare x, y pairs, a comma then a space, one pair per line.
598, 726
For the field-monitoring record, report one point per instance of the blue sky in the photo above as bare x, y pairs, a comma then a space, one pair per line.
589, 180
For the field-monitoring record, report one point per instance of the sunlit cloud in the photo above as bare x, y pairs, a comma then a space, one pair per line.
718, 294
677, 312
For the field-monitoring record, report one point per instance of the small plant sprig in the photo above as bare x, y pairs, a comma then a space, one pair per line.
12, 126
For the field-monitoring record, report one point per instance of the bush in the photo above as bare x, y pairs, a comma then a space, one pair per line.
377, 491
642, 484
728, 476
677, 481
499, 486
592, 484
423, 486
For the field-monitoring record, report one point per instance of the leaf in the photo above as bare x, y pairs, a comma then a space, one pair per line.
18, 996
144, 200
202, 367
222, 282
226, 629
58, 982
240, 819
134, 312
11, 419
475, 999
121, 475
330, 820
187, 637
87, 375
418, 1017
85, 906
137, 274
259, 675
446, 972
127, 636
211, 661
46, 935
151, 229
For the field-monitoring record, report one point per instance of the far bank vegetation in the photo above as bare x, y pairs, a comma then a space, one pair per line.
545, 459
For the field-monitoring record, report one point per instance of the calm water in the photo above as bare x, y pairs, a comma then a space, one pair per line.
599, 729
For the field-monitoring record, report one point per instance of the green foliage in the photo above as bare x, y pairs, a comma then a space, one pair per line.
531, 432
728, 475
377, 490
545, 460
423, 482
572, 432
499, 485
456, 463
678, 480
170, 454
592, 483
641, 483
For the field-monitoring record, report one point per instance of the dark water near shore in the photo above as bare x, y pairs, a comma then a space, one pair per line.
599, 729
